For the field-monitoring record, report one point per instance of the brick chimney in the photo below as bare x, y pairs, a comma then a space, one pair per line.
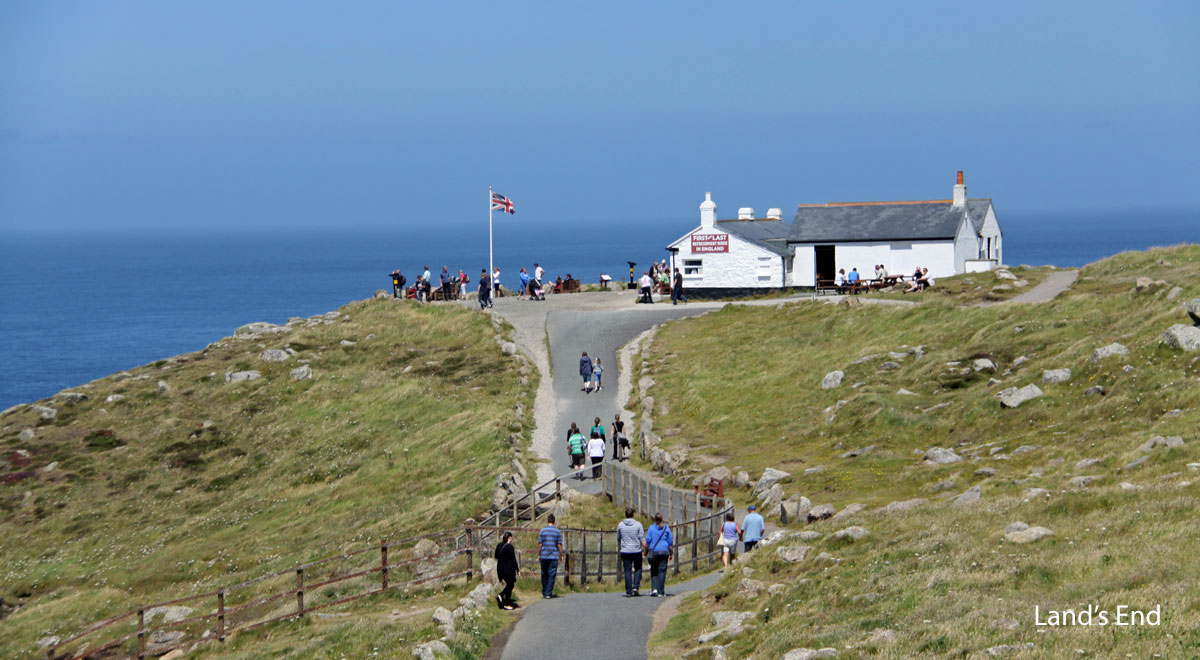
708, 212
960, 191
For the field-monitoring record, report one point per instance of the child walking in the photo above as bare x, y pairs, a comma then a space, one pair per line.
597, 370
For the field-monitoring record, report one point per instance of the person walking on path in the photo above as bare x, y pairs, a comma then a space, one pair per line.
597, 372
549, 550
598, 429
620, 442
728, 538
596, 452
631, 539
576, 445
660, 545
752, 528
646, 284
677, 289
507, 570
485, 290
585, 370
446, 281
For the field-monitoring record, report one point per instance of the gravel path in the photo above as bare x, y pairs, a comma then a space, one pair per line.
1054, 284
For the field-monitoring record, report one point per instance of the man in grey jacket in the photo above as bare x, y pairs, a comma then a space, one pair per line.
630, 541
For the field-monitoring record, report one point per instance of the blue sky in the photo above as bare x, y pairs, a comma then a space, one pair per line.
270, 114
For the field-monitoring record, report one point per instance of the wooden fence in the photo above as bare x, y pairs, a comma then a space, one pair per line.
285, 594
589, 554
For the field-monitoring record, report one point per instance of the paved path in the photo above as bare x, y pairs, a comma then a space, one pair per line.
595, 626
1054, 284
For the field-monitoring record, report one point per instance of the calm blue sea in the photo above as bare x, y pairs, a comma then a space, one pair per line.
79, 306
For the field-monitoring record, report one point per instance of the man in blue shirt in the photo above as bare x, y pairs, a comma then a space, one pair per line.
660, 545
752, 528
550, 549
853, 276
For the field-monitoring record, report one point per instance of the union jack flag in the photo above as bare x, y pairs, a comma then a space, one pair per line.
502, 203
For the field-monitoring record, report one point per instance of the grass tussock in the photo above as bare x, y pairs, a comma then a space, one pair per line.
139, 494
942, 576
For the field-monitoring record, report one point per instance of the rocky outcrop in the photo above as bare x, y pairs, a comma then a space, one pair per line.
832, 379
1183, 337
770, 477
1013, 396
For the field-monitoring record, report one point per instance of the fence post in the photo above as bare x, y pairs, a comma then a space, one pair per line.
600, 564
383, 565
141, 635
557, 489
566, 559
300, 591
583, 563
221, 615
696, 536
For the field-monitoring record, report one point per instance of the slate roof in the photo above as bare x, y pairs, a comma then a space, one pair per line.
877, 221
978, 209
768, 234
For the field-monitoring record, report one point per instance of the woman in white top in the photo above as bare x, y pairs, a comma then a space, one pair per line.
596, 451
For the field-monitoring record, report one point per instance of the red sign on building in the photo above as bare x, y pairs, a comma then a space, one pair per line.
702, 243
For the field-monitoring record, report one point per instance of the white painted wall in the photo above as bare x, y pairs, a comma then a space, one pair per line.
804, 266
966, 244
991, 229
745, 265
899, 258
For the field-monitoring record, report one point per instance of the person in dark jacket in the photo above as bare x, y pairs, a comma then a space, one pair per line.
447, 284
398, 283
585, 370
506, 570
677, 289
485, 290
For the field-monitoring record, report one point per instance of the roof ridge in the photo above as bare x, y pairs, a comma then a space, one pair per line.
834, 204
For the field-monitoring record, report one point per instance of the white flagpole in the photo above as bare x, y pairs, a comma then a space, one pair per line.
491, 269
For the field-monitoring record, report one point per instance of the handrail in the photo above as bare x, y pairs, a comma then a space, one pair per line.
474, 534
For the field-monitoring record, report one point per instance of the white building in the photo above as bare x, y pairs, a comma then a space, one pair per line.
947, 236
734, 256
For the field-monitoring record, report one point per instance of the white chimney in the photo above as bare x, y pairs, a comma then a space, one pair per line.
745, 213
708, 212
774, 214
960, 191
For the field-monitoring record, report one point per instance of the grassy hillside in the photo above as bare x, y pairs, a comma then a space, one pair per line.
146, 492
942, 576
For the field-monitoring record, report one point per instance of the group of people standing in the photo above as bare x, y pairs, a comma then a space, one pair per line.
594, 447
660, 275
454, 287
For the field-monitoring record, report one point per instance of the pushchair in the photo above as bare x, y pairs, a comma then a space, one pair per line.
536, 292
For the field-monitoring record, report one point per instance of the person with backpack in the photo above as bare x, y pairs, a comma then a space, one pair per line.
660, 546
585, 370
631, 539
575, 445
507, 570
463, 281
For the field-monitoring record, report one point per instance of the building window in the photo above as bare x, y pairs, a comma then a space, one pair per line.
693, 267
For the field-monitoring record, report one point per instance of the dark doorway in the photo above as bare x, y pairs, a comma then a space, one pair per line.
826, 263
